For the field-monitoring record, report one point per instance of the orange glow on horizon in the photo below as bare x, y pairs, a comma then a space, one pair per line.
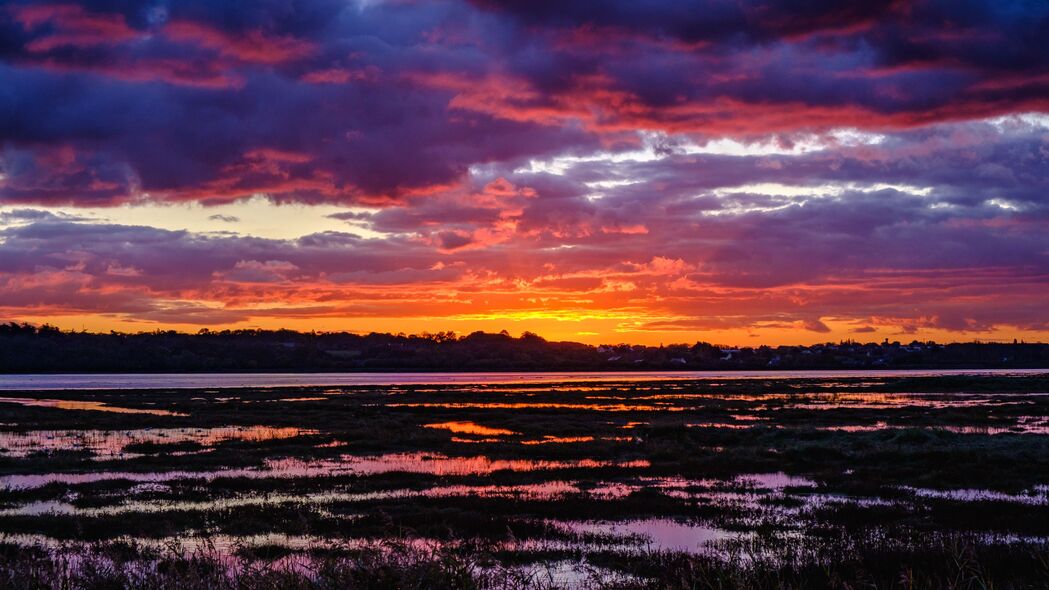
593, 331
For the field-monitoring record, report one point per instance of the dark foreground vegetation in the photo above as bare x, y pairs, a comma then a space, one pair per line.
29, 349
392, 565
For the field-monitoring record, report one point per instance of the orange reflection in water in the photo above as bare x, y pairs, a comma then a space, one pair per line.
111, 444
83, 405
474, 441
286, 399
550, 439
465, 427
890, 401
547, 490
728, 425
558, 440
537, 406
290, 467
631, 425
437, 464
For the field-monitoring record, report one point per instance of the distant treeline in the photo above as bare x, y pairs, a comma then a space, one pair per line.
30, 349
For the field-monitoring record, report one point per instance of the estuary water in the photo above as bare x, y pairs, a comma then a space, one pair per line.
111, 381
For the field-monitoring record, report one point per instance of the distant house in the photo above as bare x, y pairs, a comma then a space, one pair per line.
728, 353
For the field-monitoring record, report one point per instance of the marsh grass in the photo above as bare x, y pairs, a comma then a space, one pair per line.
953, 564
389, 564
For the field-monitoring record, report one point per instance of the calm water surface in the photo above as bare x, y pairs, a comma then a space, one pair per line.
233, 380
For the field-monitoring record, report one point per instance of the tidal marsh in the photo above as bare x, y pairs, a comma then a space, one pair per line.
929, 481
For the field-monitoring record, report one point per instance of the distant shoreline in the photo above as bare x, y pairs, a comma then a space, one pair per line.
26, 349
200, 381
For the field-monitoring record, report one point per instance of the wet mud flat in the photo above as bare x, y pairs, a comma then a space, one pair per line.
810, 482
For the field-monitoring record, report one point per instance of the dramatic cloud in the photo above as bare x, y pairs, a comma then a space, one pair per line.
640, 170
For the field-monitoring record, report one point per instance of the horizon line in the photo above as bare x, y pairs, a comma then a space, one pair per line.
452, 335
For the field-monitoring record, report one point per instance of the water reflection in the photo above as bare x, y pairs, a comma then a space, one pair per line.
535, 491
470, 428
438, 464
1023, 425
631, 425
550, 439
889, 401
538, 406
113, 444
84, 405
655, 533
774, 481
540, 453
729, 425
561, 440
424, 463
1038, 496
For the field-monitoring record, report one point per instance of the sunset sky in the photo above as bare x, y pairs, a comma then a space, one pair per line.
766, 172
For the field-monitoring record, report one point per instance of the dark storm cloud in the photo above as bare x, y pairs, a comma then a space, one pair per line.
372, 102
696, 21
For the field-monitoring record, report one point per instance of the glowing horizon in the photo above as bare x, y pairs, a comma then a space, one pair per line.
605, 172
